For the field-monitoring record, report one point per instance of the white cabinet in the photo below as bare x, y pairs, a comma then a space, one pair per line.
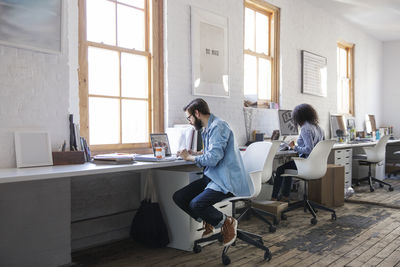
182, 229
343, 157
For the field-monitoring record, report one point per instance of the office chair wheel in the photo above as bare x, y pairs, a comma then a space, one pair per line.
197, 248
380, 185
225, 259
272, 229
371, 189
333, 216
283, 217
314, 221
390, 189
267, 256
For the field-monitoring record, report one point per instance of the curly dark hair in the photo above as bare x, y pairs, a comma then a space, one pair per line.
197, 104
304, 113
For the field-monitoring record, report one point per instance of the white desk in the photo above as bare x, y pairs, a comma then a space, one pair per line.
35, 210
342, 154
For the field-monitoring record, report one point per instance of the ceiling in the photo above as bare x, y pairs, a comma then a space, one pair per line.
379, 18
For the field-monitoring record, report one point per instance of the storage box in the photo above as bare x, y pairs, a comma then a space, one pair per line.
274, 207
68, 157
329, 190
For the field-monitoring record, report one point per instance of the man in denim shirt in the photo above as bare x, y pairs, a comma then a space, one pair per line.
224, 173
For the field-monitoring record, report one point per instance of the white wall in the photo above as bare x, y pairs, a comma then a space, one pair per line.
303, 27
40, 90
34, 93
178, 62
391, 86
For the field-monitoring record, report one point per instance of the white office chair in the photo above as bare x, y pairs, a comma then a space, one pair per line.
255, 161
373, 155
311, 168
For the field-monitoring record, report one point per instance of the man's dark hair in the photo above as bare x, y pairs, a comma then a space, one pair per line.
197, 104
304, 113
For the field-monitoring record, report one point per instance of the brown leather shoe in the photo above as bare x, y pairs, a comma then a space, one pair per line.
208, 230
229, 231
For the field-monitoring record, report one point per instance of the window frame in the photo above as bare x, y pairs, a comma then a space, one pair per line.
349, 47
273, 13
154, 52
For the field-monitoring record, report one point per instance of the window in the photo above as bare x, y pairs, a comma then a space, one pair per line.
261, 52
120, 72
345, 83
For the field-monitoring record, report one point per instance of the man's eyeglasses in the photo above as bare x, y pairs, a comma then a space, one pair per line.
188, 117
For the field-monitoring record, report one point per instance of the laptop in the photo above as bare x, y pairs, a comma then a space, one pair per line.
158, 140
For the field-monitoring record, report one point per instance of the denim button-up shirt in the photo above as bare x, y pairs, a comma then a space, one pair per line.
222, 160
310, 135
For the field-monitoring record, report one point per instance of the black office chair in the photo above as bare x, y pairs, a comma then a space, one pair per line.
395, 172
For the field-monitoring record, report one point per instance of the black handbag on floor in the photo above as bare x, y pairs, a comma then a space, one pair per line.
148, 226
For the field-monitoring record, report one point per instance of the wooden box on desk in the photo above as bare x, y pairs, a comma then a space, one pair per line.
329, 190
68, 157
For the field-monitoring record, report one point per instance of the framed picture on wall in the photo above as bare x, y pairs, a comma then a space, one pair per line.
34, 25
314, 78
210, 70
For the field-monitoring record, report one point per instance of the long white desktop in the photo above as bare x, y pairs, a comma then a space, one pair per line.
35, 210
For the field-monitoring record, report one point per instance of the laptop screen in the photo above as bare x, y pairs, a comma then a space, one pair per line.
160, 140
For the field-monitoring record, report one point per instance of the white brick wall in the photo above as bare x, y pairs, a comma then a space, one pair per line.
391, 86
39, 90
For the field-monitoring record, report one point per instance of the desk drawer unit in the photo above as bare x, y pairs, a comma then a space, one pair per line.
343, 157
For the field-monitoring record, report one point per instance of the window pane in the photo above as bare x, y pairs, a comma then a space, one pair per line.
135, 121
103, 72
136, 3
250, 77
100, 21
264, 79
131, 32
262, 33
103, 120
134, 75
342, 63
249, 30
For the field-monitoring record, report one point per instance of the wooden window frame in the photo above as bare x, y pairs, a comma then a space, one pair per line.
349, 47
273, 14
156, 75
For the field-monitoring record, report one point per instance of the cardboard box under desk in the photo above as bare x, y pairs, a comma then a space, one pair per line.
274, 207
329, 190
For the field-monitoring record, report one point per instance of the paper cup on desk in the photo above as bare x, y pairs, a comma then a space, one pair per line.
160, 152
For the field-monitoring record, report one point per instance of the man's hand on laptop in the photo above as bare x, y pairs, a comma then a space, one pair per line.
186, 154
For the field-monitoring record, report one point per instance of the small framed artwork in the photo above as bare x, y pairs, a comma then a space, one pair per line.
32, 148
210, 68
34, 25
314, 79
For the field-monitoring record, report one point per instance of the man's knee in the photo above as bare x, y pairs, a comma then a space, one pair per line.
177, 197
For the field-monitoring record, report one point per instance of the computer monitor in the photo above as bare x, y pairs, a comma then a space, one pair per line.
286, 123
338, 125
370, 124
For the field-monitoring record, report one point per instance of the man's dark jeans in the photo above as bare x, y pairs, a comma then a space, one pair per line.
198, 202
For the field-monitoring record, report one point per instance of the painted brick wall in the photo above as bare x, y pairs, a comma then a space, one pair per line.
391, 86
39, 90
303, 26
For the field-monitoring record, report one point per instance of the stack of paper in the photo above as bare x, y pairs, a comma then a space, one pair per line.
114, 158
